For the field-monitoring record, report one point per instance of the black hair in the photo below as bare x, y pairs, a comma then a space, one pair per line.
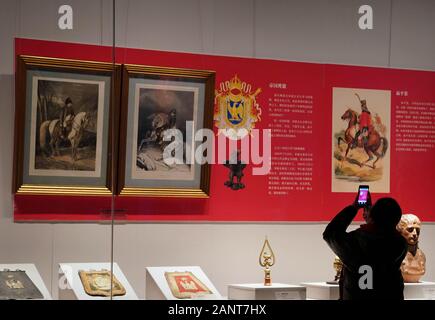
68, 100
386, 213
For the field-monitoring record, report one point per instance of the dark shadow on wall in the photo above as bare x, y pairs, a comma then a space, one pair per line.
7, 107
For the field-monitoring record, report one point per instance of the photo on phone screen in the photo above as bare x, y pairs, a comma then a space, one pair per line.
363, 192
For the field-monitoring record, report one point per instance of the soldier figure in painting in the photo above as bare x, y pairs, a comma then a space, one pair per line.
236, 167
67, 110
159, 123
367, 137
364, 124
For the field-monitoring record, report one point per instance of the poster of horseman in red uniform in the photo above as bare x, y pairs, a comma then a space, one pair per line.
360, 139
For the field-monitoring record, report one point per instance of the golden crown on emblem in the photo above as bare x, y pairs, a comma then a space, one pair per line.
235, 83
235, 88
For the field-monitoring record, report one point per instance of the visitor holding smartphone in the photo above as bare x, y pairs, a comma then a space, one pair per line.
371, 254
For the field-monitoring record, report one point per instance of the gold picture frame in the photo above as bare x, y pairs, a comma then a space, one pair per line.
154, 98
69, 157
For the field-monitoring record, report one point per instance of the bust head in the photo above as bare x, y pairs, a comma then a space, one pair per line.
409, 226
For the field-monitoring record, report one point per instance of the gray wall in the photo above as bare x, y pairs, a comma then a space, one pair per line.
317, 31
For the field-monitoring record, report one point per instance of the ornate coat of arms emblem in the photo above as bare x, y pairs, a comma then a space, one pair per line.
16, 285
97, 283
236, 108
185, 285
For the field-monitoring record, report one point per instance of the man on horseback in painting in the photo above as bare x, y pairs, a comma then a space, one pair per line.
362, 132
364, 124
66, 110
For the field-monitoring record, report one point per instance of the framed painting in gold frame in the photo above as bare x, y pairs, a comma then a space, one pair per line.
155, 101
65, 126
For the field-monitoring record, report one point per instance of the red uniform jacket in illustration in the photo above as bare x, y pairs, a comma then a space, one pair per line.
365, 119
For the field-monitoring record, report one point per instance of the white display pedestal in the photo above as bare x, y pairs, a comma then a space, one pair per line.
258, 291
412, 291
419, 291
71, 287
321, 291
33, 274
157, 287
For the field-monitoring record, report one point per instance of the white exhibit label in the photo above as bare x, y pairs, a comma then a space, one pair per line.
287, 295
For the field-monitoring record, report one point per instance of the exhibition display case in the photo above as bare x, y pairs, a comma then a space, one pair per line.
155, 150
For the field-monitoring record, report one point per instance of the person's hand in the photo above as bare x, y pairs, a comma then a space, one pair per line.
366, 213
369, 200
368, 204
355, 202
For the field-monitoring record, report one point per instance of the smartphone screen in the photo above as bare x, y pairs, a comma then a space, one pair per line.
363, 192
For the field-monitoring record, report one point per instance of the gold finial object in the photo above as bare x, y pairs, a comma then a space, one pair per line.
338, 266
266, 260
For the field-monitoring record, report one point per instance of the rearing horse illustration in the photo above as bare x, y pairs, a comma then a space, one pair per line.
374, 141
51, 129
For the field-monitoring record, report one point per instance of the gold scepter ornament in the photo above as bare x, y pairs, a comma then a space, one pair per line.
338, 266
266, 260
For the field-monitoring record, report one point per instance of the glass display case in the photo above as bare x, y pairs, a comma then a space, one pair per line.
149, 147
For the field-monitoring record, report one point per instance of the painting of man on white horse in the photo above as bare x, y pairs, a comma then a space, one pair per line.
66, 126
74, 126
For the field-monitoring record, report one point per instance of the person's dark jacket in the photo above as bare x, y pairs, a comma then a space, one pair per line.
382, 250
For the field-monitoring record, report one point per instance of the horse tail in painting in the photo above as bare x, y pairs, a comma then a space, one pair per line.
384, 146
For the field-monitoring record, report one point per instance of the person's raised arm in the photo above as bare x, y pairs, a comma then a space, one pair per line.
336, 229
336, 236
